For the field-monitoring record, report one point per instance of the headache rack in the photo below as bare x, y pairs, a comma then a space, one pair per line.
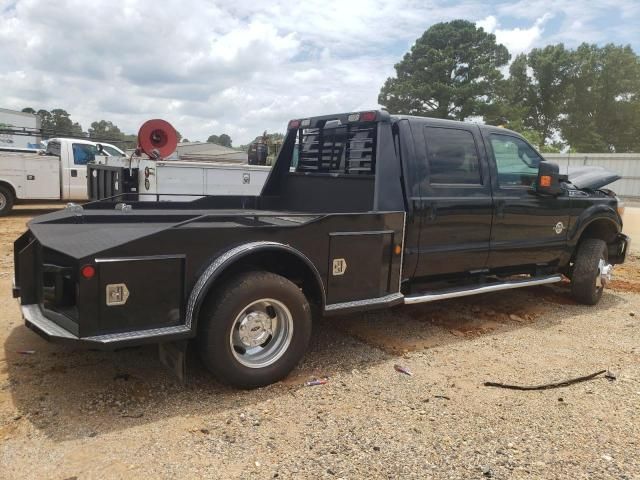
338, 148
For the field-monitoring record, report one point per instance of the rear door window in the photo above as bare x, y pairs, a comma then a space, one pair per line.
452, 157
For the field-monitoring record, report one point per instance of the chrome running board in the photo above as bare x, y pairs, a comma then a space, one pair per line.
476, 290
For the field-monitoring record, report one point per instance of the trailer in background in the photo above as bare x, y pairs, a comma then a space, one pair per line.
29, 122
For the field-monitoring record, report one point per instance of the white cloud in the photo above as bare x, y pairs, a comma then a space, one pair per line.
517, 40
240, 67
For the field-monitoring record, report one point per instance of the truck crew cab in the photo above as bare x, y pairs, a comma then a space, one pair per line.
380, 210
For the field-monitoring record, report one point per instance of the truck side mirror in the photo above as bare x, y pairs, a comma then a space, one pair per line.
548, 182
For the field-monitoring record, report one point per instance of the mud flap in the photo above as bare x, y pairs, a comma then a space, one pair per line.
173, 355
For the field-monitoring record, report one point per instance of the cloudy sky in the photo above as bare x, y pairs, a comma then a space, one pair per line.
242, 66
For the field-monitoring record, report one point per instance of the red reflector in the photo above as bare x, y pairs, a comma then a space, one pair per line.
368, 117
88, 271
294, 124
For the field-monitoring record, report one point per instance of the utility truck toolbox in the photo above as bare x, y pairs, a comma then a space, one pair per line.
380, 210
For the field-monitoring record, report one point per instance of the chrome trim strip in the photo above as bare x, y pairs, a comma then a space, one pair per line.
369, 302
433, 296
404, 228
366, 232
222, 259
137, 259
33, 315
137, 334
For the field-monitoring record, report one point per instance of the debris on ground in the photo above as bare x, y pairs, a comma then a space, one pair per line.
401, 369
132, 415
444, 397
610, 375
547, 386
26, 352
122, 376
317, 381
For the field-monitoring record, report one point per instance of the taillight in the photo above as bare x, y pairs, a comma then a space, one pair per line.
293, 124
368, 117
88, 271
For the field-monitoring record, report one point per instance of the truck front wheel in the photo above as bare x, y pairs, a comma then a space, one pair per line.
591, 270
254, 330
6, 201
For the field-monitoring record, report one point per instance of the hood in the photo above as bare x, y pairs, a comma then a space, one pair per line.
591, 177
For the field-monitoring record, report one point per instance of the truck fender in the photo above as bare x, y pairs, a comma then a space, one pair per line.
601, 217
232, 256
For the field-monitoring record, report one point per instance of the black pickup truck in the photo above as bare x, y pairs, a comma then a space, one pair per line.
380, 210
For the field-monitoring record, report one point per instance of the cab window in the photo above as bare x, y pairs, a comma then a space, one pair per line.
516, 162
112, 151
83, 153
452, 157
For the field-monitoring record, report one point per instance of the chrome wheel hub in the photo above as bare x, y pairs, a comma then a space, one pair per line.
3, 201
255, 329
261, 333
605, 273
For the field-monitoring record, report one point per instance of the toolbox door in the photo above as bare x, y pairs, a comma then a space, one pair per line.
360, 265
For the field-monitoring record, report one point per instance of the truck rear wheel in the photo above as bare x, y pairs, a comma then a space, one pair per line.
591, 270
6, 201
255, 330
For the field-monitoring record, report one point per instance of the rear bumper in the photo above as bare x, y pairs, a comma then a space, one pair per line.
619, 248
36, 320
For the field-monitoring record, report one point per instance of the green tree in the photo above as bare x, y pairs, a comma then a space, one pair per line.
57, 122
224, 140
537, 91
46, 121
603, 101
104, 129
28, 110
452, 71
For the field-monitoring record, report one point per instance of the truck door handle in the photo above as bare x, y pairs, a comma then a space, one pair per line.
31, 177
74, 173
500, 204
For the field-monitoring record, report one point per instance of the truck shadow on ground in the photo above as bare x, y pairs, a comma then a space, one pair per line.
69, 394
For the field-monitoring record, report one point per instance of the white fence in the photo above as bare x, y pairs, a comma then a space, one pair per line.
626, 165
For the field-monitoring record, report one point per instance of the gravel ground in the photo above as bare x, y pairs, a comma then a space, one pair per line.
67, 413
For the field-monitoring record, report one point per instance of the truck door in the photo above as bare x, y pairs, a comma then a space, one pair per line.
528, 229
452, 198
74, 173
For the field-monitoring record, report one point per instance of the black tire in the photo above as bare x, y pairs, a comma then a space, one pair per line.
6, 201
584, 286
218, 319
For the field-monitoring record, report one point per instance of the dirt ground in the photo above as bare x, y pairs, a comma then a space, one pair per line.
68, 413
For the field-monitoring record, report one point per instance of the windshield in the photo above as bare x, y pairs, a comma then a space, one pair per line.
112, 151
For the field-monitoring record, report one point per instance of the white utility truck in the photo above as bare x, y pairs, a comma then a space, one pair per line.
172, 180
150, 177
57, 173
